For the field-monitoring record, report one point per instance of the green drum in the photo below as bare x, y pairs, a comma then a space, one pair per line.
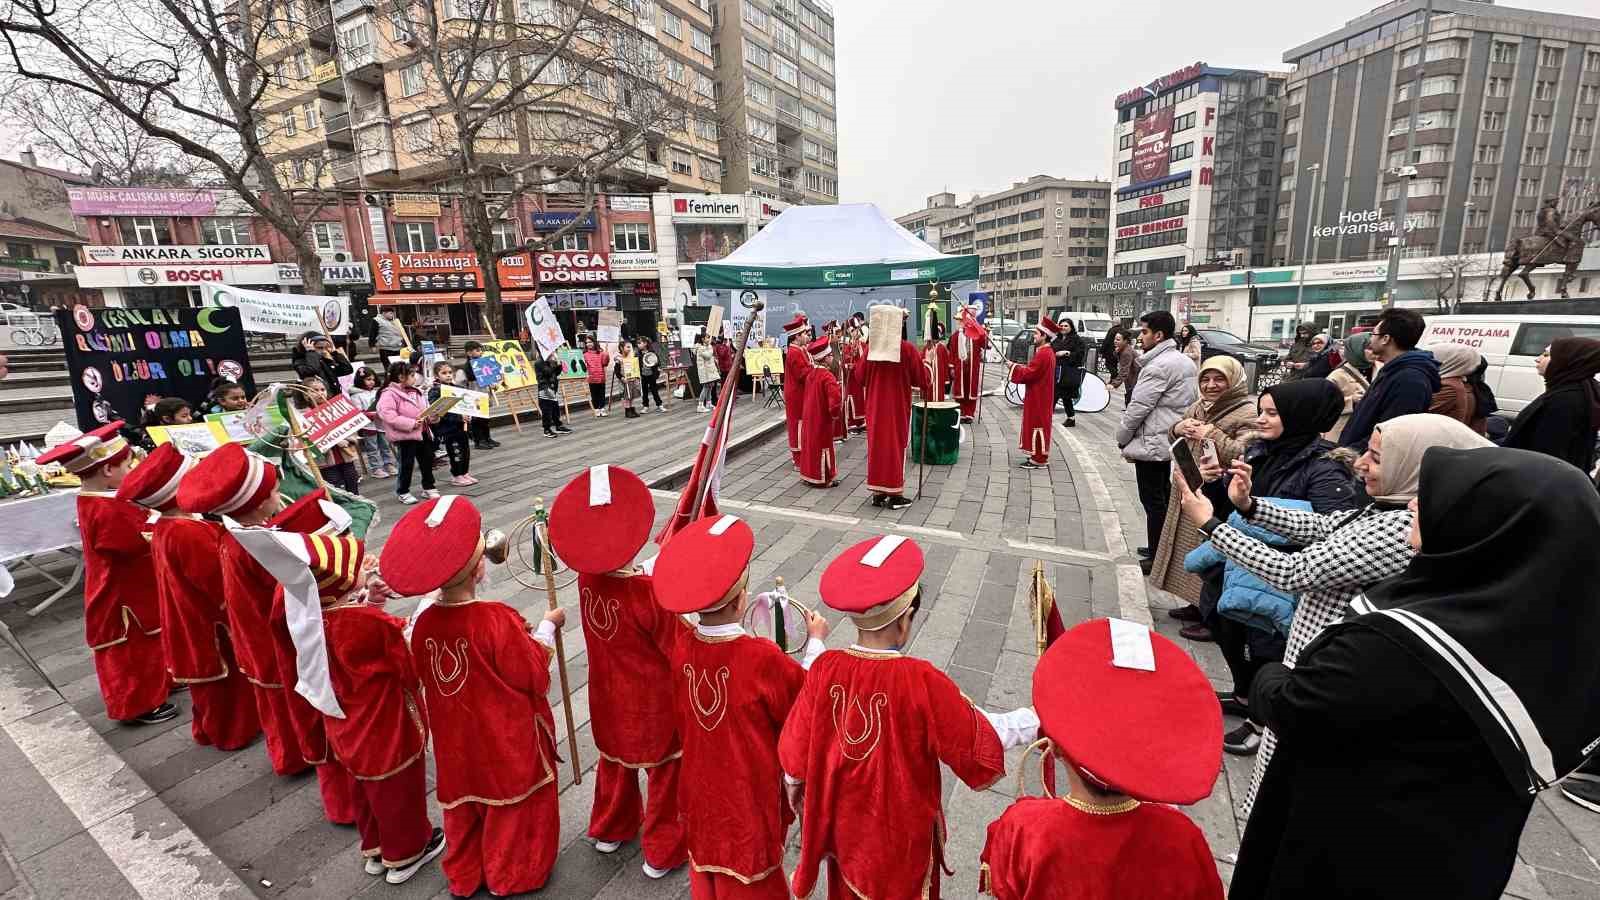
944, 432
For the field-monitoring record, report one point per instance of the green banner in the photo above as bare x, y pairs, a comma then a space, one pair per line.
955, 268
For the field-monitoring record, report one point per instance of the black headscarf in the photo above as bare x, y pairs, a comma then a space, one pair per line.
1488, 605
1308, 407
1575, 360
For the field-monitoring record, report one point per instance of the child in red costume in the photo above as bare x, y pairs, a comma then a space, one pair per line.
851, 349
1039, 402
796, 367
819, 464
243, 487
486, 679
186, 551
937, 360
598, 522
967, 345
732, 695
888, 383
121, 603
862, 747
1153, 737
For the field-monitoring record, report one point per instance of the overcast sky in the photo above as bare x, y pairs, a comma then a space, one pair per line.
969, 96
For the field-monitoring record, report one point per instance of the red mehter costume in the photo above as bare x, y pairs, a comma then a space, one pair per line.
194, 626
732, 693
855, 393
121, 606
888, 388
232, 481
796, 368
937, 360
1131, 714
867, 736
598, 523
820, 420
1040, 377
966, 360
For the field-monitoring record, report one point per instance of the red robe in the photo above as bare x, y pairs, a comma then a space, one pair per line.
796, 366
937, 360
855, 394
121, 606
194, 635
888, 386
249, 589
732, 695
1040, 377
867, 736
486, 680
967, 374
333, 779
383, 731
819, 464
1044, 849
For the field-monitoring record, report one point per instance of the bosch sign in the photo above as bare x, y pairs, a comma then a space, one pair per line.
573, 267
180, 276
1161, 85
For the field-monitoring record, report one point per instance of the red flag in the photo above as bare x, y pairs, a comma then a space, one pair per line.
1052, 626
699, 497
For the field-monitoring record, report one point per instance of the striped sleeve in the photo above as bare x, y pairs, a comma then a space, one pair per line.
1352, 557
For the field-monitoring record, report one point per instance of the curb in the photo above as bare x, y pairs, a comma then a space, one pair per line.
665, 479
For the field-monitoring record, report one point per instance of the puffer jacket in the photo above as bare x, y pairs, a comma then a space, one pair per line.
1314, 474
1166, 386
1245, 597
399, 409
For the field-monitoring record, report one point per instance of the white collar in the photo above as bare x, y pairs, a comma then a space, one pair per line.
875, 650
732, 629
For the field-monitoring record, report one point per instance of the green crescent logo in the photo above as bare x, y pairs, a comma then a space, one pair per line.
204, 319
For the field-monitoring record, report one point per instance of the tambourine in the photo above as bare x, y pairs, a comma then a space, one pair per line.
779, 618
650, 359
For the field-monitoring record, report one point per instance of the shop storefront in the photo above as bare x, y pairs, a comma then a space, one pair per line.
1125, 298
174, 283
637, 274
440, 294
697, 228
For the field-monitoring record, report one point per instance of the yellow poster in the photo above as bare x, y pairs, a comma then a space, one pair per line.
758, 359
630, 367
472, 403
515, 370
195, 439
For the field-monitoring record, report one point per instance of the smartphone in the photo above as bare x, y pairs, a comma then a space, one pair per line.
1185, 461
1208, 452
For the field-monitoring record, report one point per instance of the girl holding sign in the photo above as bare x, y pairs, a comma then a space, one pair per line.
451, 432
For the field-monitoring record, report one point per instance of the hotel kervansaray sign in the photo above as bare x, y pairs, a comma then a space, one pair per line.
447, 271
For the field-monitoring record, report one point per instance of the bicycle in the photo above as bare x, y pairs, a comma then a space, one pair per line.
35, 334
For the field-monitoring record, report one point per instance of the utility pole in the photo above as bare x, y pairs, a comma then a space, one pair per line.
1305, 246
1461, 259
1407, 169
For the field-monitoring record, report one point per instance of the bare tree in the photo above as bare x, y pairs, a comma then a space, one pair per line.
190, 74
538, 97
1447, 278
90, 137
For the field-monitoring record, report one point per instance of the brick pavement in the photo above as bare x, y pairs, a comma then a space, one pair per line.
982, 523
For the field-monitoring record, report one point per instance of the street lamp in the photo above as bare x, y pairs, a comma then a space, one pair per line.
1461, 246
1305, 246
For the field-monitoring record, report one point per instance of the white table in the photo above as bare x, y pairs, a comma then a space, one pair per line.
32, 526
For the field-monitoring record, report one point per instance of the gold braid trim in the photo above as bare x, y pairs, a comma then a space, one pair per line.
742, 879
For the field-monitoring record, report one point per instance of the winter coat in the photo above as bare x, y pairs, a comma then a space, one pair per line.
399, 409
450, 425
1245, 597
1405, 385
596, 361
1167, 385
327, 368
1353, 384
1557, 424
1311, 474
1231, 433
724, 354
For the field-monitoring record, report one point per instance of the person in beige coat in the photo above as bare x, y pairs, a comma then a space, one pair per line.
1225, 416
1352, 379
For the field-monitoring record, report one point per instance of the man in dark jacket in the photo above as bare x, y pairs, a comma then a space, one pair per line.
1406, 383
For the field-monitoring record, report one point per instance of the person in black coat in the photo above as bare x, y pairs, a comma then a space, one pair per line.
1562, 421
1070, 353
1398, 772
315, 355
1406, 383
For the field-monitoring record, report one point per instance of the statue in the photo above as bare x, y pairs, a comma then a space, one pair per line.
1553, 242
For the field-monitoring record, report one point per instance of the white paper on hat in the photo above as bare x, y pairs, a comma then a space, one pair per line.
600, 485
440, 510
649, 566
283, 554
723, 524
881, 550
337, 515
1130, 646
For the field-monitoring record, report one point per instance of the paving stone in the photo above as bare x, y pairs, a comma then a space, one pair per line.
74, 869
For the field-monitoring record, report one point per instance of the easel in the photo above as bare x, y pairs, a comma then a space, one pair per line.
573, 387
505, 393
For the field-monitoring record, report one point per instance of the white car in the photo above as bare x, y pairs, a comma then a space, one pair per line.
1000, 336
1512, 345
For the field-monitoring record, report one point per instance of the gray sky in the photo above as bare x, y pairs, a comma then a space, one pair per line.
944, 95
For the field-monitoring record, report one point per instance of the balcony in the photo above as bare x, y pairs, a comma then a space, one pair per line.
326, 77
319, 26
377, 150
342, 8
650, 171
336, 127
788, 122
786, 152
361, 64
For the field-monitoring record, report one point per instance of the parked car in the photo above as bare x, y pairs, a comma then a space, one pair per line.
1511, 345
1001, 336
1215, 341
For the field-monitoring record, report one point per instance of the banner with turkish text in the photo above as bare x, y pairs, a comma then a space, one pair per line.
333, 423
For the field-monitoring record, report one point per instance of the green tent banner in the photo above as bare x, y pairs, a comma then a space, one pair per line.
953, 268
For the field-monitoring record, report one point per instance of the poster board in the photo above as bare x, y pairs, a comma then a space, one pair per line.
332, 423
542, 326
515, 370
195, 439
430, 355
573, 390
714, 321
630, 367
116, 357
571, 362
269, 312
609, 327
471, 404
485, 371
756, 359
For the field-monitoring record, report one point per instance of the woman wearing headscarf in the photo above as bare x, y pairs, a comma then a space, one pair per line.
1225, 417
1562, 421
1413, 737
1345, 553
1299, 354
1352, 378
1455, 397
1290, 461
1320, 364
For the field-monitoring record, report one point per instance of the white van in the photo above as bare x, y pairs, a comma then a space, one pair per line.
1511, 344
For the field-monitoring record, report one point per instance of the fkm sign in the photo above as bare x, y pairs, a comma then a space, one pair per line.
1160, 85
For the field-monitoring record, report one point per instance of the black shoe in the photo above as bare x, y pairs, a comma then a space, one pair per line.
562, 429
1582, 789
1243, 741
877, 499
1185, 613
550, 434
1233, 706
404, 873
481, 446
1070, 422
1145, 553
898, 501
1146, 564
1030, 464
965, 420
163, 713
492, 444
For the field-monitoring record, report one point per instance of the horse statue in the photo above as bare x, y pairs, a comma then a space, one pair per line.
1531, 251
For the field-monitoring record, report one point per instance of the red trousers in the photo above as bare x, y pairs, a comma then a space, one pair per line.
508, 849
392, 815
969, 408
283, 743
133, 676
338, 788
225, 710
839, 889
618, 811
715, 886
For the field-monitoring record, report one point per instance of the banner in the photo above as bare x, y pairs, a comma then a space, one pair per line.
571, 362
1152, 146
515, 370
333, 423
542, 326
446, 271
118, 358
471, 405
267, 312
195, 439
759, 360
485, 371
120, 201
573, 266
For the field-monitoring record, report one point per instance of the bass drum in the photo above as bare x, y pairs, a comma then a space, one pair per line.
1093, 396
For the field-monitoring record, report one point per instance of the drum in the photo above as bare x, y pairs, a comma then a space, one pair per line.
1093, 396
944, 432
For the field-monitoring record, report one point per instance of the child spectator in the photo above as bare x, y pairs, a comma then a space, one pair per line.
166, 411
380, 456
478, 428
338, 465
400, 407
597, 361
227, 396
548, 372
451, 432
630, 383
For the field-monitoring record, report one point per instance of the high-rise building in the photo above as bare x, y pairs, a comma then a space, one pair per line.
1506, 107
1196, 154
1032, 239
775, 88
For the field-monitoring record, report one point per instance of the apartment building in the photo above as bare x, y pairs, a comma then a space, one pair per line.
1033, 239
1507, 103
942, 216
776, 83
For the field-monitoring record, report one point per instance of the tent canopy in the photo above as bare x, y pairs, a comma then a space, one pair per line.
849, 245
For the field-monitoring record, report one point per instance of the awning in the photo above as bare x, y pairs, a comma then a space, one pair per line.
415, 298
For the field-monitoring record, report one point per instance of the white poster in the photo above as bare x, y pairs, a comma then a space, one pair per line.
471, 404
609, 327
542, 326
273, 313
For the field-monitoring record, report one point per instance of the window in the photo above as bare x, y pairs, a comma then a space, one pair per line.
289, 128
676, 71
786, 71
225, 231
328, 235
1125, 141
1287, 183
1538, 123
1544, 90
417, 136
1428, 153
1420, 187
1291, 126
505, 235
1582, 127
1527, 187
758, 92
672, 24
761, 128
302, 65
537, 11
816, 88
681, 163
627, 236
704, 86
597, 84
1535, 156
1494, 121
1488, 154
1589, 94
1183, 123
1497, 87
700, 40
757, 55
1182, 151
1522, 218
1482, 186
705, 129
1578, 156
412, 79
824, 184
1477, 218
1125, 167
1432, 86
1502, 52
1552, 56
577, 240
356, 44
755, 15
415, 237
310, 112
812, 149
1591, 61
297, 171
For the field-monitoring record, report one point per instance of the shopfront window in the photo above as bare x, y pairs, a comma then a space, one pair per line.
705, 243
415, 237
